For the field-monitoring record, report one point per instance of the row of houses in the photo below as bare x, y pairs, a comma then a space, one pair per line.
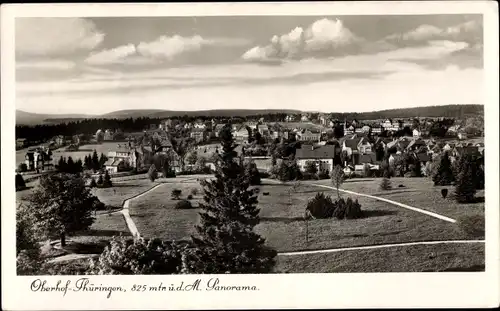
358, 151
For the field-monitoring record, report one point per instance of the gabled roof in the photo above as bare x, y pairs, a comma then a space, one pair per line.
352, 143
113, 162
422, 157
310, 152
367, 158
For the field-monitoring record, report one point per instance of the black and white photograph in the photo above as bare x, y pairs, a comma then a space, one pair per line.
258, 144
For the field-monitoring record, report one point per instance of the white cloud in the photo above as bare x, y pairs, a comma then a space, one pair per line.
169, 47
461, 32
323, 35
55, 36
111, 56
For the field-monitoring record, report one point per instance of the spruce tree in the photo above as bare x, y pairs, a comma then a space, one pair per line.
444, 173
100, 181
95, 161
466, 182
226, 242
107, 180
70, 166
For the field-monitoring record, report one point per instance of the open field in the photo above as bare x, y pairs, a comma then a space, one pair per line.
122, 190
418, 192
419, 258
282, 221
155, 216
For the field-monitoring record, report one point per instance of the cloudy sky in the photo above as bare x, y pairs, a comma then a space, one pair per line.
315, 63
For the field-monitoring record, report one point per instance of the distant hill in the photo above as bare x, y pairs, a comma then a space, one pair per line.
449, 111
29, 118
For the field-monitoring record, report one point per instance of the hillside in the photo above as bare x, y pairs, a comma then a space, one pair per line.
449, 111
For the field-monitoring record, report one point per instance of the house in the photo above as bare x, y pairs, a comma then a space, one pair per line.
108, 135
364, 146
304, 118
174, 159
263, 130
59, 140
376, 130
200, 125
217, 129
38, 159
119, 161
462, 135
20, 143
241, 134
467, 150
350, 146
366, 159
365, 129
416, 133
415, 144
448, 147
480, 147
99, 135
309, 135
198, 135
322, 156
252, 125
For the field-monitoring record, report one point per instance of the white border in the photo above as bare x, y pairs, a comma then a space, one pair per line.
276, 291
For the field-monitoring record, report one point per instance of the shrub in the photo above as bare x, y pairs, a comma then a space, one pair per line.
252, 173
385, 184
20, 184
93, 183
190, 197
194, 191
347, 209
138, 256
107, 180
22, 167
473, 226
401, 186
321, 206
323, 175
337, 178
366, 171
152, 173
183, 204
444, 193
265, 193
176, 194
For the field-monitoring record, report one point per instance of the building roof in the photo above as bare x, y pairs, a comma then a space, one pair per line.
467, 150
367, 158
422, 157
352, 143
311, 152
113, 162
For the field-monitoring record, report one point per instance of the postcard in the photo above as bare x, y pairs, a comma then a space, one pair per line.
250, 155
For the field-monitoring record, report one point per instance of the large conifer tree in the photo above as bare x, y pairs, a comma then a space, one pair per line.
444, 174
466, 182
226, 242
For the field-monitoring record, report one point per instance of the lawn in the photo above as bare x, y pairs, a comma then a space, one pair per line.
155, 216
418, 192
122, 190
282, 223
418, 258
284, 228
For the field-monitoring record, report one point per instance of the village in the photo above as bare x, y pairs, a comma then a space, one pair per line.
360, 145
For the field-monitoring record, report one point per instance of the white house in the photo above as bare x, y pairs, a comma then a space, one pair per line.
322, 156
416, 133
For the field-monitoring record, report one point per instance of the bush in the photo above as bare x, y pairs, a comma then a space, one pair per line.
324, 175
93, 183
309, 176
385, 184
139, 256
22, 167
473, 226
347, 209
176, 194
183, 204
190, 197
366, 171
321, 206
20, 184
152, 173
194, 191
466, 180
